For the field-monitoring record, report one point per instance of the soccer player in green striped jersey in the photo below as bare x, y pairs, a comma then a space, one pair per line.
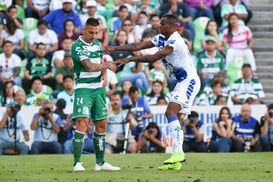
89, 102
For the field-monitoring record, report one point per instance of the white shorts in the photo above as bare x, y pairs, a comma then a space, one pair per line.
184, 93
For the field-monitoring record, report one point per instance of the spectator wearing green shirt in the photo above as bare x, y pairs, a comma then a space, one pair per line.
247, 89
39, 66
209, 62
65, 70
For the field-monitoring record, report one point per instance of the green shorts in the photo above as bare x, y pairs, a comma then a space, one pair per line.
90, 103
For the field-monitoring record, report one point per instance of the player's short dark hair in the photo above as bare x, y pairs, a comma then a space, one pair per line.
172, 19
92, 22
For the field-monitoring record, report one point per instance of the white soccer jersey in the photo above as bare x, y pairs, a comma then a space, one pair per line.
180, 64
180, 57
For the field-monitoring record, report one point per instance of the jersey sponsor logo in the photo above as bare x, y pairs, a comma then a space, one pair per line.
87, 50
85, 110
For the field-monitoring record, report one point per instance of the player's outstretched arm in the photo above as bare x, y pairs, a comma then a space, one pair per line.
129, 47
98, 67
147, 58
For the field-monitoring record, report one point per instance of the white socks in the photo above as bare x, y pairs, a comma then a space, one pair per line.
176, 134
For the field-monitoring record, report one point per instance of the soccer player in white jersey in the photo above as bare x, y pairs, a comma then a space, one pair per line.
176, 57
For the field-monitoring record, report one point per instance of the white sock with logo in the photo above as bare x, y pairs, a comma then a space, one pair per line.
176, 134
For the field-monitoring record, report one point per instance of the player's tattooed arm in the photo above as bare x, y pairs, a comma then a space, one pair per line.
91, 67
135, 46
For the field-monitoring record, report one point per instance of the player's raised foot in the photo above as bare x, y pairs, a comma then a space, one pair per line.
107, 167
176, 167
78, 167
176, 157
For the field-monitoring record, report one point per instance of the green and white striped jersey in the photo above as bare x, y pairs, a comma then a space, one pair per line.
210, 65
245, 89
83, 51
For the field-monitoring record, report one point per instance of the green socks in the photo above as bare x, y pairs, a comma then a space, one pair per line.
99, 146
77, 146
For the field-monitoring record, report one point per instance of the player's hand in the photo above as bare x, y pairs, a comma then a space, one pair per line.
108, 49
121, 62
112, 66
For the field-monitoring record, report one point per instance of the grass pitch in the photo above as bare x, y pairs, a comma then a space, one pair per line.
199, 167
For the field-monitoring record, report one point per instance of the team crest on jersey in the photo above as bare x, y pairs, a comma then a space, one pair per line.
170, 42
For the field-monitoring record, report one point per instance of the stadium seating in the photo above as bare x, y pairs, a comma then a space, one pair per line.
234, 69
29, 25
23, 65
3, 6
20, 12
199, 26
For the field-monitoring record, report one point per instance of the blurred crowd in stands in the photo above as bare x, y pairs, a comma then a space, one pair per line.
36, 68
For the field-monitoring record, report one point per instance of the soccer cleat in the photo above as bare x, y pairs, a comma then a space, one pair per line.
107, 167
176, 167
176, 157
78, 167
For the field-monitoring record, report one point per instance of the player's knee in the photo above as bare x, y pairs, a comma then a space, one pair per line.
81, 124
101, 129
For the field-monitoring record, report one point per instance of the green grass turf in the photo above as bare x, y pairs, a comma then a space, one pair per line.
204, 167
